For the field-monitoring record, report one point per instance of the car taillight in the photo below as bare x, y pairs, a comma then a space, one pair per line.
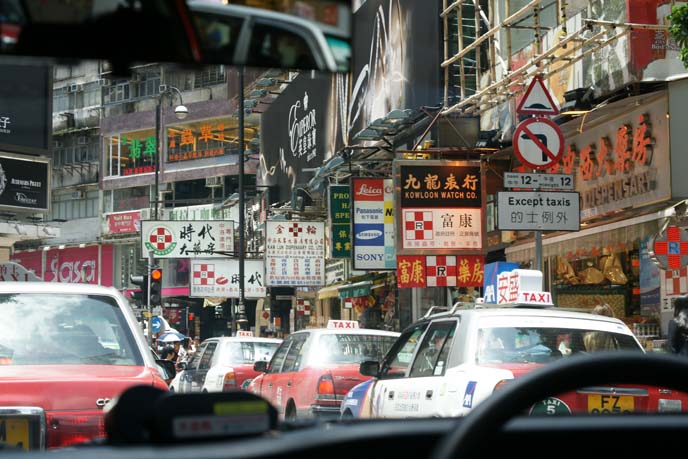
70, 428
325, 390
229, 381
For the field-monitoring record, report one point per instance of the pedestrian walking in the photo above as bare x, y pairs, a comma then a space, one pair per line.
599, 340
677, 333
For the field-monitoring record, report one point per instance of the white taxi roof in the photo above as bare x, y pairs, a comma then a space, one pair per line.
348, 331
56, 287
245, 339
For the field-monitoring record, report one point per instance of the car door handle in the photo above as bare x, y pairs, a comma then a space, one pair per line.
288, 383
428, 394
270, 384
391, 395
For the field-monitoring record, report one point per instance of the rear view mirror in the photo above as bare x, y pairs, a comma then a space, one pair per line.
261, 366
182, 365
369, 368
312, 35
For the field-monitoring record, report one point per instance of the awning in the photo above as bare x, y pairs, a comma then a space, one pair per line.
355, 289
331, 291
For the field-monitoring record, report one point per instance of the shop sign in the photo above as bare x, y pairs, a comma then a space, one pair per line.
83, 265
340, 221
440, 206
198, 141
671, 248
187, 239
24, 183
619, 163
204, 212
335, 271
420, 271
295, 253
373, 224
216, 278
538, 211
124, 222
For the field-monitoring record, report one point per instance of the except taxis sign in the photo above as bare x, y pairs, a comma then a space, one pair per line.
538, 211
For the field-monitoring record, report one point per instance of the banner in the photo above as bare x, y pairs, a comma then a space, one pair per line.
220, 278
187, 239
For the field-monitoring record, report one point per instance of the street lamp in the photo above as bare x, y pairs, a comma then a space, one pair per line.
181, 112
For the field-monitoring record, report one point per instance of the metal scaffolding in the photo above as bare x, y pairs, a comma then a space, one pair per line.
472, 34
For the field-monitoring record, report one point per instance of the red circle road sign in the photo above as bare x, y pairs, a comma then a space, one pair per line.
538, 143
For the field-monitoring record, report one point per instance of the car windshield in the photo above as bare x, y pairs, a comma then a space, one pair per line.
247, 352
59, 329
539, 344
429, 200
351, 348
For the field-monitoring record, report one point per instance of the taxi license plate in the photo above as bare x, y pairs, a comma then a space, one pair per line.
15, 431
610, 404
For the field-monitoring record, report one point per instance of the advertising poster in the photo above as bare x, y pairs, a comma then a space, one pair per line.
373, 224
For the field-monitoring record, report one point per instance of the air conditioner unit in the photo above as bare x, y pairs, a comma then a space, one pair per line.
146, 214
80, 194
162, 88
58, 144
103, 82
82, 140
213, 182
75, 87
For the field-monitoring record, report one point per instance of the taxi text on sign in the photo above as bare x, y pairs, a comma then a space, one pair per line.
343, 324
511, 283
538, 211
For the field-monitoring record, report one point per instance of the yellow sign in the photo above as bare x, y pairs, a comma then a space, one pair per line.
610, 404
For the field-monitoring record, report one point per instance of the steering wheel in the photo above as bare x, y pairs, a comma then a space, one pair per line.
478, 428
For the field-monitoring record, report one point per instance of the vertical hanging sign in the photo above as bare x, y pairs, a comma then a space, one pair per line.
340, 221
373, 224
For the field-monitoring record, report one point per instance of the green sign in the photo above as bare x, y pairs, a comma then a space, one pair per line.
340, 221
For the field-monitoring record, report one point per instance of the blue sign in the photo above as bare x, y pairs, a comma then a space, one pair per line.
370, 234
468, 395
157, 324
492, 270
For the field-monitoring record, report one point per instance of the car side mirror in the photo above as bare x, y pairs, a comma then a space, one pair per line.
167, 366
182, 365
369, 368
260, 366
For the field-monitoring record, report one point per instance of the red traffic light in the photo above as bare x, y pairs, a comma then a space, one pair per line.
156, 274
191, 316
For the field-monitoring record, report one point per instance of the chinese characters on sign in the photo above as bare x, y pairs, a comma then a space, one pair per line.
417, 271
220, 278
295, 253
187, 239
537, 210
204, 141
440, 206
620, 163
373, 224
340, 221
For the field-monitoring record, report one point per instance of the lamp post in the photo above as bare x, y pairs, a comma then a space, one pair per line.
241, 319
181, 112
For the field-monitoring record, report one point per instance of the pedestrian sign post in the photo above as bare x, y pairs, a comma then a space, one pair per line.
538, 143
537, 100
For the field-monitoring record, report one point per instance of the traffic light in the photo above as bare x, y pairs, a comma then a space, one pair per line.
141, 297
155, 289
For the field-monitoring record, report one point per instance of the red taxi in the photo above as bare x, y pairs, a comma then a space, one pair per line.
313, 369
66, 350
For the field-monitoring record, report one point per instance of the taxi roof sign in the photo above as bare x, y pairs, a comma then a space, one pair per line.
512, 284
342, 324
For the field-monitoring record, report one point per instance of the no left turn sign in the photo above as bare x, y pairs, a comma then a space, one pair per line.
538, 143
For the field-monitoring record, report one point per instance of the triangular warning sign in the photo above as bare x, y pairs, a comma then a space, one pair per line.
537, 100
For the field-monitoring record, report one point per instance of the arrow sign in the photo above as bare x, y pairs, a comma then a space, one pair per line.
538, 143
537, 100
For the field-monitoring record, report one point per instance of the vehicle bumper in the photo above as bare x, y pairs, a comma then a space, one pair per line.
326, 411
